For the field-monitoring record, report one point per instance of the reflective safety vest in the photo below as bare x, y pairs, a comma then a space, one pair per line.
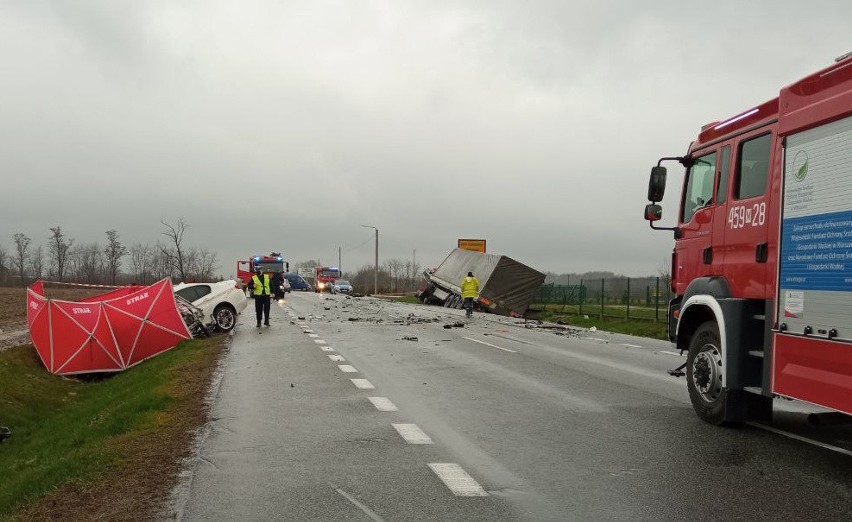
470, 287
261, 288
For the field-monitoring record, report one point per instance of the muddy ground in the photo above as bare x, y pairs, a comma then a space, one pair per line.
13, 310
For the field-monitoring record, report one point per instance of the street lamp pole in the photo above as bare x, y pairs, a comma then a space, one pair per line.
376, 270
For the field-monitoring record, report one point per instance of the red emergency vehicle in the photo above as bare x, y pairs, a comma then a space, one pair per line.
324, 277
762, 262
271, 264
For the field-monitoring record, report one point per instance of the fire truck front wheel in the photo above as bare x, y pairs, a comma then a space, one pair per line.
705, 374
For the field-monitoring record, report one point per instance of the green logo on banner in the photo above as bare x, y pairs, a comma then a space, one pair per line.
800, 164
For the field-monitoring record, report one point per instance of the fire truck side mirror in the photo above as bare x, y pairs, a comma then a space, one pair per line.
653, 212
287, 266
657, 184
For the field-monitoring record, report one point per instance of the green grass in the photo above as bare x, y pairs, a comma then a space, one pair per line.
67, 430
631, 326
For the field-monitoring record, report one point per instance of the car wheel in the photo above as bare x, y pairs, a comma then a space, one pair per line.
225, 317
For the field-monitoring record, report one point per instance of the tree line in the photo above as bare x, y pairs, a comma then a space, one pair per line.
395, 276
63, 259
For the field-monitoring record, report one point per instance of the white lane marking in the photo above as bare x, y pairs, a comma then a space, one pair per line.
597, 339
319, 341
799, 438
338, 358
673, 353
412, 434
491, 345
313, 335
347, 368
631, 345
367, 511
457, 480
363, 384
326, 348
383, 404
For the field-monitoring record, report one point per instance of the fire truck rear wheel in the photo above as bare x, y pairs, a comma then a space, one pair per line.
705, 374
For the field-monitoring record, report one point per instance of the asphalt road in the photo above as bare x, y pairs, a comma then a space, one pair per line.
490, 421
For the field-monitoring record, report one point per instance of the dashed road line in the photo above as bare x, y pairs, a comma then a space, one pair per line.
412, 434
347, 368
491, 345
313, 335
363, 384
457, 480
628, 345
673, 353
597, 339
326, 348
337, 358
319, 341
383, 404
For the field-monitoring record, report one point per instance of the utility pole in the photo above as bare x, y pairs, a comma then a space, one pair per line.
339, 266
376, 271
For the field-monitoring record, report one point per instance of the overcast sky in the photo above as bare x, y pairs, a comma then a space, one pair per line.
284, 125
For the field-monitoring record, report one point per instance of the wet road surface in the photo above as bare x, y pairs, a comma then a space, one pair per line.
355, 409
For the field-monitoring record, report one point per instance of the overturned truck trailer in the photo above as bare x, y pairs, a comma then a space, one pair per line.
506, 286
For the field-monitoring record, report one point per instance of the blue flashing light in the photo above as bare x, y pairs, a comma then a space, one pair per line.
280, 258
256, 259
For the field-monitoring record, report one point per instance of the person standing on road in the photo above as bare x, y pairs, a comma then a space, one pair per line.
261, 288
277, 289
470, 291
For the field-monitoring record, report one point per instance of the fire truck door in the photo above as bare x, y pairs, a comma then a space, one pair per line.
746, 234
693, 251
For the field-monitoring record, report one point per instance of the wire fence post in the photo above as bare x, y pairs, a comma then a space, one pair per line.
628, 298
657, 302
602, 297
582, 296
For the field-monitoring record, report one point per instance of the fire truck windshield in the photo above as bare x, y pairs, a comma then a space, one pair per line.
270, 266
329, 272
699, 185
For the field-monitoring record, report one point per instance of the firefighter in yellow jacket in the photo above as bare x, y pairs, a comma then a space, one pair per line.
261, 289
470, 291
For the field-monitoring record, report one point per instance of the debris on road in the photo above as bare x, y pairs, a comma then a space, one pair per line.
409, 338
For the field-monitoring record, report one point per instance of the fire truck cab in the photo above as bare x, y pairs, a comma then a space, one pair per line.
272, 264
325, 277
762, 263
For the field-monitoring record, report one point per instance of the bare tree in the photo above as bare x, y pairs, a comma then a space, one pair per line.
59, 247
113, 253
141, 261
176, 255
89, 262
19, 260
37, 262
4, 266
207, 262
162, 266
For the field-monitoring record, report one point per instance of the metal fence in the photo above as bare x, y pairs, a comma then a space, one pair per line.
621, 297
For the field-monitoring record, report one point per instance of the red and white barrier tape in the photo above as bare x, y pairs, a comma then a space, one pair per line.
80, 284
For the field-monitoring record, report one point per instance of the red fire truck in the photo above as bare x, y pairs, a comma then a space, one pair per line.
762, 262
325, 277
271, 264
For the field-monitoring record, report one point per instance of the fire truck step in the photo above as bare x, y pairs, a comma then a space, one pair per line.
757, 390
756, 353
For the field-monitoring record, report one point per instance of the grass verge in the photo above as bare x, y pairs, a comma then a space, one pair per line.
638, 327
103, 448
